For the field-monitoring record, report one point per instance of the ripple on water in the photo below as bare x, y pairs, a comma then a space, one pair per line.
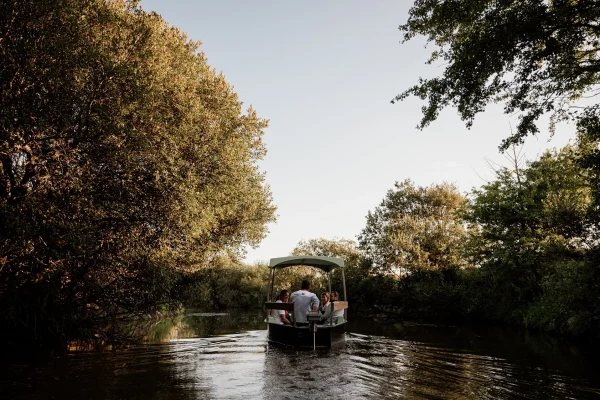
245, 366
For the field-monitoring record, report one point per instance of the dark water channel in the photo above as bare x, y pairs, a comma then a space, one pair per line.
208, 356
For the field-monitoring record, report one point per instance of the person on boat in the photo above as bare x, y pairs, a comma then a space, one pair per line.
324, 302
281, 316
305, 301
334, 296
325, 307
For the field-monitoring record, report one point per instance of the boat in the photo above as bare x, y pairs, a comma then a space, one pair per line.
317, 333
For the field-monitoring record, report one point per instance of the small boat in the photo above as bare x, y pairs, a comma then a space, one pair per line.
317, 333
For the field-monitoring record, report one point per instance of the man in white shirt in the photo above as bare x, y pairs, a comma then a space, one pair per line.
304, 301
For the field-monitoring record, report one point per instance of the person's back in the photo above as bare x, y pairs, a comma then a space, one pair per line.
304, 301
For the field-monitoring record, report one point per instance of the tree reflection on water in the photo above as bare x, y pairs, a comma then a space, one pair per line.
208, 355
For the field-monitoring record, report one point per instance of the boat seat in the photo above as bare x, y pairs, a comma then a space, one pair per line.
289, 307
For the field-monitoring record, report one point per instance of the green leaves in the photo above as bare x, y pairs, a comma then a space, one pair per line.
414, 228
124, 156
526, 227
535, 56
523, 249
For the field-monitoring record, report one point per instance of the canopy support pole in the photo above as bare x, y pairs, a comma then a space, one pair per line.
269, 294
329, 295
345, 298
272, 284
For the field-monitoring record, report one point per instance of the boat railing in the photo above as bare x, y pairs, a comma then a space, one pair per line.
289, 307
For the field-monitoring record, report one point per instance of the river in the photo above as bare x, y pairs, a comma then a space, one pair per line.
227, 356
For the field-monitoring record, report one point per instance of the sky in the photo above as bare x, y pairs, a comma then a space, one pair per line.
323, 74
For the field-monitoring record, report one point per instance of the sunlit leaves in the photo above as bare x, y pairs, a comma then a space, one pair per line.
126, 160
415, 228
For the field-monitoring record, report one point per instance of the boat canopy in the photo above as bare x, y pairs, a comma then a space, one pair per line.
327, 264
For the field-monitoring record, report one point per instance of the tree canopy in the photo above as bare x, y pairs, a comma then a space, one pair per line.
414, 228
536, 56
534, 239
125, 159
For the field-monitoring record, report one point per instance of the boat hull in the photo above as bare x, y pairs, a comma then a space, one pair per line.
302, 336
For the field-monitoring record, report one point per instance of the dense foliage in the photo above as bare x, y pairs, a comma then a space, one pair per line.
129, 179
125, 162
536, 56
534, 234
226, 284
529, 257
522, 249
415, 228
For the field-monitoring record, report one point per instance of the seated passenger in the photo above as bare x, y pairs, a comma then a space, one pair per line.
281, 316
324, 302
335, 297
325, 307
304, 301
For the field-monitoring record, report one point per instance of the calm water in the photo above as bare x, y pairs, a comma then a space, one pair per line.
211, 356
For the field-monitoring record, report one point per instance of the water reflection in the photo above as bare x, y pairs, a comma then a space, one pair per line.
228, 357
197, 324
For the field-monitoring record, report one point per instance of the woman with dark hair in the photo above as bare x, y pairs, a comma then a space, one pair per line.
281, 316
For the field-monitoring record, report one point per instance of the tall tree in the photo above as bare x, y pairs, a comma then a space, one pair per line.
528, 224
414, 228
125, 159
537, 56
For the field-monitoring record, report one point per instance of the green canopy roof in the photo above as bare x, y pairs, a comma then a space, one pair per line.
327, 264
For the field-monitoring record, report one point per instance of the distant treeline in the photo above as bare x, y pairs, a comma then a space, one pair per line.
522, 249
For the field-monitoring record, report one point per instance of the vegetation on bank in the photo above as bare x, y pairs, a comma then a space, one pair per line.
523, 249
126, 162
529, 257
534, 231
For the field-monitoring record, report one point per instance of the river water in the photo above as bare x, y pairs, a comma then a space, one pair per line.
227, 356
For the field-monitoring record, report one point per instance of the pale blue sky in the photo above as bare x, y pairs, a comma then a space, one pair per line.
323, 73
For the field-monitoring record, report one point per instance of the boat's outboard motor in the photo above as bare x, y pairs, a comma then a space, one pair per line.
313, 318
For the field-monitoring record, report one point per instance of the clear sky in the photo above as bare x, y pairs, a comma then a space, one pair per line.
323, 73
